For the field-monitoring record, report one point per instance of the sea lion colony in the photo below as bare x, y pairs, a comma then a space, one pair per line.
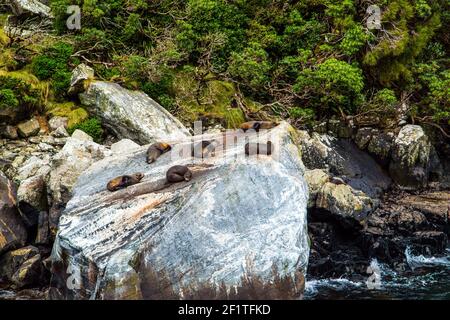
203, 149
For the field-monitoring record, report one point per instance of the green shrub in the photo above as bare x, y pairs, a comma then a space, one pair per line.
333, 85
19, 95
91, 126
54, 65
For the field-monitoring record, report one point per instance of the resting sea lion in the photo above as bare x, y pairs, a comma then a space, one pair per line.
156, 150
178, 174
259, 148
124, 181
204, 148
257, 125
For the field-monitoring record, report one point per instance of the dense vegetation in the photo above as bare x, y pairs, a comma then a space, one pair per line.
306, 60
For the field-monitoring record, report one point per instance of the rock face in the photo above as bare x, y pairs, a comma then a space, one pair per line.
131, 114
409, 166
12, 231
67, 165
237, 215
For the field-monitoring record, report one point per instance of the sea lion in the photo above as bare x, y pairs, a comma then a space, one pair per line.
156, 150
124, 181
204, 148
259, 148
178, 174
257, 125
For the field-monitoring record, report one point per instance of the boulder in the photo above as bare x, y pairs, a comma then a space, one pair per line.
11, 261
79, 75
12, 232
29, 128
57, 122
363, 136
344, 202
32, 192
71, 161
33, 166
124, 146
81, 135
35, 7
342, 158
29, 273
60, 132
9, 132
315, 179
238, 215
409, 166
380, 145
131, 114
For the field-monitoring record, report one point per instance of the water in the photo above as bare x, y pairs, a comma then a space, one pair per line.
429, 278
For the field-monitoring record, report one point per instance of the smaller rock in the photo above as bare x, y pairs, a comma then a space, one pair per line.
9, 132
343, 201
363, 137
32, 167
57, 122
29, 128
29, 273
32, 191
315, 179
124, 146
44, 147
339, 129
81, 135
60, 132
12, 260
380, 145
81, 73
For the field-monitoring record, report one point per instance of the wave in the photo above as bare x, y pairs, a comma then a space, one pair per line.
420, 261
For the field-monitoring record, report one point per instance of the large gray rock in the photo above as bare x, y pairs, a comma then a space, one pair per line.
12, 230
20, 7
409, 166
342, 158
67, 165
131, 114
237, 215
